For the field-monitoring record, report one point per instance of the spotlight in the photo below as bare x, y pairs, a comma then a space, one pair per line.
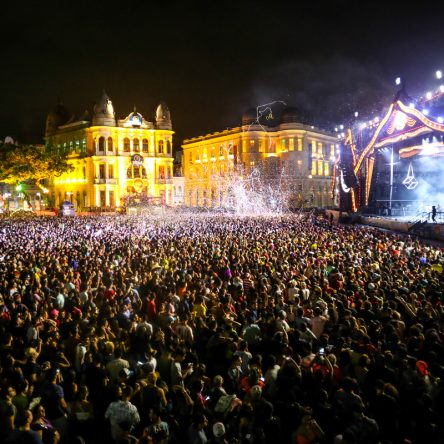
425, 112
440, 119
441, 88
428, 95
438, 74
356, 114
398, 80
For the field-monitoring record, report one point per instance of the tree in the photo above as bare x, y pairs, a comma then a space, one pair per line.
19, 163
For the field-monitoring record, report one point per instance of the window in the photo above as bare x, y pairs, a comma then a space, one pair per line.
299, 143
110, 144
162, 172
299, 165
136, 146
145, 145
320, 150
332, 151
284, 145
168, 147
320, 167
101, 144
84, 172
221, 151
111, 171
313, 167
102, 198
291, 144
135, 172
326, 169
261, 146
126, 144
112, 202
84, 145
102, 171
160, 146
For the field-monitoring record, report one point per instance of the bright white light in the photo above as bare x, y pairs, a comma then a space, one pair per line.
336, 129
429, 95
440, 119
438, 74
356, 114
425, 112
341, 127
376, 119
441, 88
398, 80
363, 126
412, 105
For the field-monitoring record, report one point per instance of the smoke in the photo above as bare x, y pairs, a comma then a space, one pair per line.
330, 89
429, 172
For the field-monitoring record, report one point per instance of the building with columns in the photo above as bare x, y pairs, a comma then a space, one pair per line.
112, 159
277, 146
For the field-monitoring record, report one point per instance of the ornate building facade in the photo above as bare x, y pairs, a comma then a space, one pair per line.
112, 159
284, 152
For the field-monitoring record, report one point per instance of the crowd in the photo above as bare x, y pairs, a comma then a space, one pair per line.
214, 329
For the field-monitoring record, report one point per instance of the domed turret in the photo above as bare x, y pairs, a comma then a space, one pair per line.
249, 117
57, 117
104, 112
163, 116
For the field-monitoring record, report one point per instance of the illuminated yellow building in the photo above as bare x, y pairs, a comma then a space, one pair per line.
112, 159
286, 153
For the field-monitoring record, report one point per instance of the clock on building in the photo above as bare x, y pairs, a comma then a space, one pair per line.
136, 120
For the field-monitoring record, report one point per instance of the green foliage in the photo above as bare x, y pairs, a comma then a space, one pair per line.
19, 163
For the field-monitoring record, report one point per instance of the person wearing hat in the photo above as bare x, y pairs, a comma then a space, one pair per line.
219, 433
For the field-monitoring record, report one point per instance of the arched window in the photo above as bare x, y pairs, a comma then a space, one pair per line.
168, 147
101, 144
136, 146
145, 145
160, 146
110, 144
126, 144
136, 172
161, 172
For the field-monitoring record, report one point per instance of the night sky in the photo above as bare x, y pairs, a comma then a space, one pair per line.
210, 61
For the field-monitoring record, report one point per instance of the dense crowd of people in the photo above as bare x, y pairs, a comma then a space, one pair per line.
216, 329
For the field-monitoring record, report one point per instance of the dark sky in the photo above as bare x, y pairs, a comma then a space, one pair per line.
210, 61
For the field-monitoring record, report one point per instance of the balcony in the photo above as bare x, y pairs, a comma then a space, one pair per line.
164, 181
108, 181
